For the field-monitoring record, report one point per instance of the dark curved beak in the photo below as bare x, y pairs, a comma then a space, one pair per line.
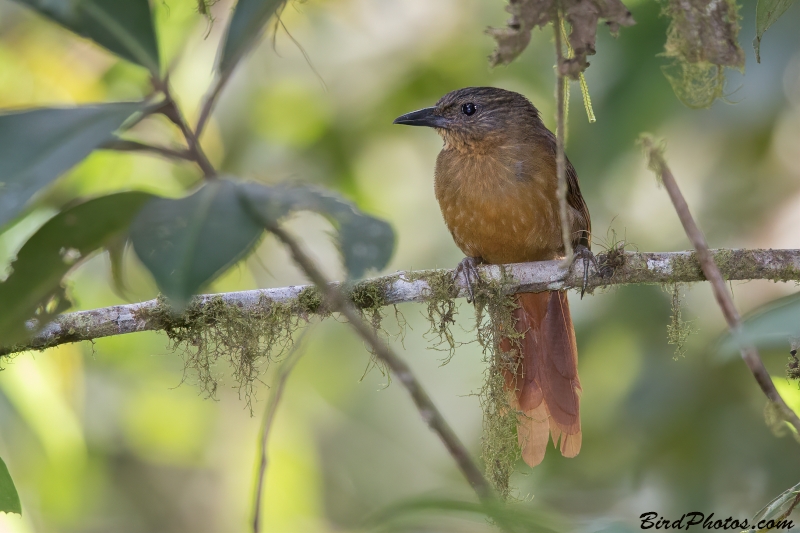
423, 117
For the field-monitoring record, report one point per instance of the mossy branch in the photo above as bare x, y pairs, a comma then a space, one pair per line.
713, 269
337, 300
616, 268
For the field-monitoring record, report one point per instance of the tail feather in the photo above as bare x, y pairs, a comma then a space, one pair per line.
533, 432
544, 387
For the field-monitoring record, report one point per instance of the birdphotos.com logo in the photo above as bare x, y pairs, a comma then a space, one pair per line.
697, 521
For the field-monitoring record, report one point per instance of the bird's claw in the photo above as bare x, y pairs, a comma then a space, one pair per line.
588, 258
467, 269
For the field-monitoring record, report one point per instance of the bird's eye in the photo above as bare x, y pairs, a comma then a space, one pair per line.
469, 109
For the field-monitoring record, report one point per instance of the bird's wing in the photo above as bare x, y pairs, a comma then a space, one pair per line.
582, 224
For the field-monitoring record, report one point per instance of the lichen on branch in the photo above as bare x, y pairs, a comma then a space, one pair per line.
614, 267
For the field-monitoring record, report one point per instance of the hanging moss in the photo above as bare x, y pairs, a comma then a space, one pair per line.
702, 40
204, 8
777, 423
210, 334
441, 310
774, 419
369, 297
678, 329
793, 366
500, 449
494, 322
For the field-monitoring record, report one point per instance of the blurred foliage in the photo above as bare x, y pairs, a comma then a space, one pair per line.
767, 12
9, 499
38, 146
779, 509
188, 242
769, 326
401, 517
364, 242
246, 26
125, 28
100, 437
33, 288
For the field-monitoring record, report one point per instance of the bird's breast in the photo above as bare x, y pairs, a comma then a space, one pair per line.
501, 209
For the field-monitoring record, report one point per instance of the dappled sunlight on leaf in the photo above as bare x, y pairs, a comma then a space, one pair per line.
37, 146
123, 27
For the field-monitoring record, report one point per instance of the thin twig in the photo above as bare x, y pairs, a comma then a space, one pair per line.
222, 79
123, 145
427, 409
401, 287
172, 111
718, 285
210, 100
561, 163
284, 370
788, 511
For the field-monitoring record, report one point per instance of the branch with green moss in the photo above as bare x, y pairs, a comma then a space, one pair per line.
714, 271
336, 298
613, 268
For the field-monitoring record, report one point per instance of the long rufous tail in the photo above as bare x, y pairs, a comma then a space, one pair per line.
544, 388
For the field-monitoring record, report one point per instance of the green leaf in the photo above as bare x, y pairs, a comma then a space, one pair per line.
186, 243
778, 509
124, 27
770, 326
767, 12
37, 146
245, 28
116, 255
43, 261
9, 499
364, 241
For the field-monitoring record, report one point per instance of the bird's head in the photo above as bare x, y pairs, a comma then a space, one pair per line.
476, 116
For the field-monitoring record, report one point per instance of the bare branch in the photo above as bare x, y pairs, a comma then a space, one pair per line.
123, 145
561, 163
654, 267
172, 111
718, 285
427, 409
269, 417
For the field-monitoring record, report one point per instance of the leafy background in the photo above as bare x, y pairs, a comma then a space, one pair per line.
114, 436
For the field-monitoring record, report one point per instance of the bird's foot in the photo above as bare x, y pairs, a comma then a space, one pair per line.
467, 269
588, 258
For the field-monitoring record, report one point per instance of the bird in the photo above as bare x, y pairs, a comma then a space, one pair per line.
496, 183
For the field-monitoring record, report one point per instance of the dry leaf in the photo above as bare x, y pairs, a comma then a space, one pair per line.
582, 16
